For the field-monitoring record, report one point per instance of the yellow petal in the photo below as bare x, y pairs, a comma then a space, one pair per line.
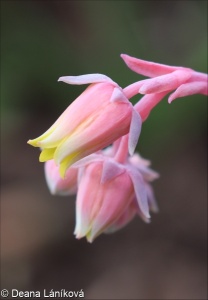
37, 142
33, 143
66, 163
47, 154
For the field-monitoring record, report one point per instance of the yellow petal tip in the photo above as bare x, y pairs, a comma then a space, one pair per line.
66, 163
47, 154
33, 143
62, 171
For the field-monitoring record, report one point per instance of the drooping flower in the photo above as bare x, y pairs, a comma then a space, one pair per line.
99, 204
106, 189
99, 116
58, 185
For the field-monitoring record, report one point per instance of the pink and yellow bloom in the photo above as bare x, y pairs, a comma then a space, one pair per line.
99, 116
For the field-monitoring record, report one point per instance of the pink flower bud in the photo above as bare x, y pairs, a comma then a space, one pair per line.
100, 204
106, 188
58, 185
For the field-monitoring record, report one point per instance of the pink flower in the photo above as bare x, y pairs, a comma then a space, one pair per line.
106, 189
99, 116
99, 204
167, 78
58, 185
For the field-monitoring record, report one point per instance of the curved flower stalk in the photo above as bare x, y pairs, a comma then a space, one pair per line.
99, 116
167, 78
56, 184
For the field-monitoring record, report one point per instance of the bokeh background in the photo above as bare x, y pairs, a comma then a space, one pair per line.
43, 40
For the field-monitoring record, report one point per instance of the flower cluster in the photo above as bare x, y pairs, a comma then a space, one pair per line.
89, 150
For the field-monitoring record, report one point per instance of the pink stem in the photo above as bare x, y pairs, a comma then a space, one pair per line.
116, 145
147, 103
143, 107
133, 89
122, 151
197, 76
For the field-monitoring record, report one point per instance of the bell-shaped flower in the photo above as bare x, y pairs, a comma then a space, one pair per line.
106, 188
58, 185
167, 78
99, 116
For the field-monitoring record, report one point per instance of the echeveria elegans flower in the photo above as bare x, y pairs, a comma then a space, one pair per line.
99, 116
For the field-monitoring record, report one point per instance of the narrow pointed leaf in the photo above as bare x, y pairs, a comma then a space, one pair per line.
86, 79
147, 68
165, 82
188, 89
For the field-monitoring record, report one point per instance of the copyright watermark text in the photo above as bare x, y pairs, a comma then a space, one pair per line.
45, 294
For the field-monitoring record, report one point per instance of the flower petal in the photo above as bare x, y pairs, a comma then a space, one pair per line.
65, 163
147, 173
46, 154
151, 199
124, 219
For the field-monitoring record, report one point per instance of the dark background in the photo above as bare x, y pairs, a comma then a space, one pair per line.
43, 40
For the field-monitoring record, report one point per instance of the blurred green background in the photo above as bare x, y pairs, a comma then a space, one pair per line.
43, 40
